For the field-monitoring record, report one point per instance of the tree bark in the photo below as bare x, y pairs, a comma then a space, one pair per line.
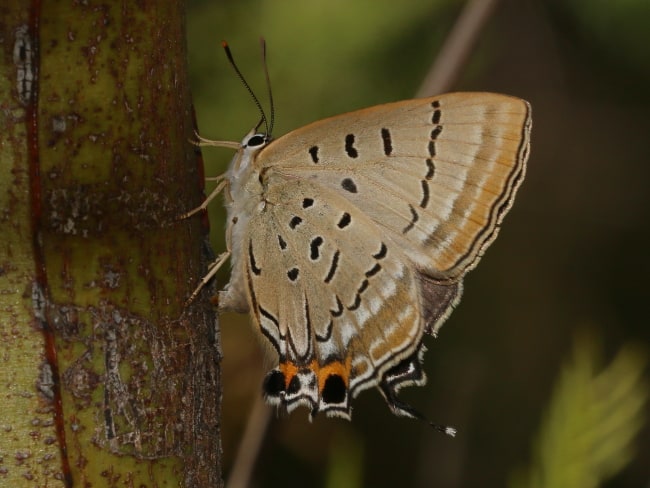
106, 378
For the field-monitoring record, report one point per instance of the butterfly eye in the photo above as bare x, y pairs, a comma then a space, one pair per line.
256, 140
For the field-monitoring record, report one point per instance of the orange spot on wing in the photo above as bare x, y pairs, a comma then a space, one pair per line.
337, 368
289, 370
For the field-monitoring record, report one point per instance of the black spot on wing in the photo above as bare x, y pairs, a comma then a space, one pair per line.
414, 218
293, 274
314, 247
251, 259
382, 252
435, 119
349, 185
334, 390
307, 202
431, 169
432, 142
388, 142
363, 287
436, 116
333, 266
295, 222
374, 270
313, 152
344, 221
282, 242
349, 146
425, 194
274, 384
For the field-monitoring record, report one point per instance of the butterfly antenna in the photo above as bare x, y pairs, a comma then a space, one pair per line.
268, 85
263, 120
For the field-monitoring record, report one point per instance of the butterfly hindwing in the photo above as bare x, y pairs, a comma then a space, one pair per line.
333, 296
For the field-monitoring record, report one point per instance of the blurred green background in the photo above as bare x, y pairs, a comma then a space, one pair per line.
566, 283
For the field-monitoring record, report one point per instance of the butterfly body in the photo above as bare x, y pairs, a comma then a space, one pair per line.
244, 194
349, 238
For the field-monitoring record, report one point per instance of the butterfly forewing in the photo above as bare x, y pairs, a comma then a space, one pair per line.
436, 174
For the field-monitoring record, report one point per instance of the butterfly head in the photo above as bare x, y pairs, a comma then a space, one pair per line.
249, 147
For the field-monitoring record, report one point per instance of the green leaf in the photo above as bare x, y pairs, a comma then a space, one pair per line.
589, 427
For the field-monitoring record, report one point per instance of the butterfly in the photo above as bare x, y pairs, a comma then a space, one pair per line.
349, 238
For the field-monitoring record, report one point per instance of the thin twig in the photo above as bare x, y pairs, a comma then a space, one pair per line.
457, 48
251, 443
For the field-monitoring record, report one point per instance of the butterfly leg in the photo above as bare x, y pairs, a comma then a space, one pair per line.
202, 141
212, 270
223, 183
